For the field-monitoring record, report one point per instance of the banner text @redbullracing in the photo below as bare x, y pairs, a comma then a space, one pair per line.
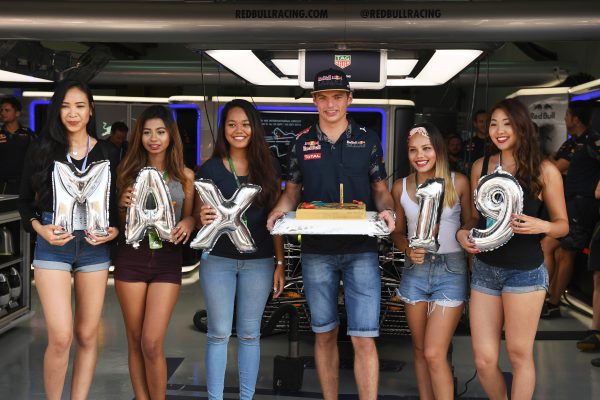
285, 13
401, 13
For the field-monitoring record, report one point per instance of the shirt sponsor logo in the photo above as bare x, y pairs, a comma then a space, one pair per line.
311, 148
312, 156
356, 143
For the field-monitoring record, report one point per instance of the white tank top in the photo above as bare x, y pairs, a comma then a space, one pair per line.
449, 224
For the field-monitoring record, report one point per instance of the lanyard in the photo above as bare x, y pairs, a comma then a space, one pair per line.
87, 152
237, 182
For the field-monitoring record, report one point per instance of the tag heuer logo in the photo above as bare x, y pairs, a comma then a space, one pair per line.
343, 61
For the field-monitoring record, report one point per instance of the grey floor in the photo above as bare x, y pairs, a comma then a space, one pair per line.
562, 371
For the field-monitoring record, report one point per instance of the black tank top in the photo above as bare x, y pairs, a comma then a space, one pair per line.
521, 251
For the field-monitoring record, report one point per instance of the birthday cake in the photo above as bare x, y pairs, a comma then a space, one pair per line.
321, 210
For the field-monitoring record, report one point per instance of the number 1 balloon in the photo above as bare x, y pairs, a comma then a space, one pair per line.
228, 220
430, 195
139, 218
498, 196
90, 187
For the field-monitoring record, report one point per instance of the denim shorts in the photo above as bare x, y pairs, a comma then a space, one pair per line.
362, 291
75, 256
497, 280
442, 279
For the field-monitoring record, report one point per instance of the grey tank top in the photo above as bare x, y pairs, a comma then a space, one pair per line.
177, 196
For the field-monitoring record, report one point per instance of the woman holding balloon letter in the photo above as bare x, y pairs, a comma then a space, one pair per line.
228, 278
68, 143
434, 280
509, 282
147, 279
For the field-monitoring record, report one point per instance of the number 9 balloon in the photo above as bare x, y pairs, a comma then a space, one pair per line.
498, 196
228, 218
430, 195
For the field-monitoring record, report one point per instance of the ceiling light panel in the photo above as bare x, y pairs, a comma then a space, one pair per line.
6, 76
245, 64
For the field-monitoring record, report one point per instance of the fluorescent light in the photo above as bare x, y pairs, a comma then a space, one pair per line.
308, 100
538, 91
246, 65
6, 76
400, 67
125, 99
394, 67
443, 66
195, 99
584, 87
287, 66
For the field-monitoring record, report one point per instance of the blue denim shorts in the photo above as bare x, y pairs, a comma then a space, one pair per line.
442, 279
497, 280
362, 291
75, 256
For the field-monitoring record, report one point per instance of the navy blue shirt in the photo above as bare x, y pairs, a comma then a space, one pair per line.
584, 170
13, 147
356, 160
257, 216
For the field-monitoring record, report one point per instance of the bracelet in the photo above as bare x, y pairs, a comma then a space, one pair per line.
279, 263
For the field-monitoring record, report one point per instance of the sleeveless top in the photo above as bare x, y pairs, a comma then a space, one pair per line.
521, 251
449, 222
177, 196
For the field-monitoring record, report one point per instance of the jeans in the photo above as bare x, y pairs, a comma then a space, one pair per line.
442, 279
247, 283
494, 281
362, 291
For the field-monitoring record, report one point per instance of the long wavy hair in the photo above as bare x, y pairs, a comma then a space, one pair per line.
53, 143
260, 161
442, 166
136, 157
527, 152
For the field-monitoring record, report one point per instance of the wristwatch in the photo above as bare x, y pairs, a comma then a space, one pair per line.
392, 211
279, 262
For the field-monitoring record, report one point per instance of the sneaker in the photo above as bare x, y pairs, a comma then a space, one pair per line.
590, 342
596, 362
550, 311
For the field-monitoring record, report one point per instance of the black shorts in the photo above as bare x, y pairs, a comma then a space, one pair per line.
583, 215
146, 265
594, 256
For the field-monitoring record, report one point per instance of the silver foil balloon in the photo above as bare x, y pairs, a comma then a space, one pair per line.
4, 292
139, 219
498, 196
90, 187
430, 195
229, 214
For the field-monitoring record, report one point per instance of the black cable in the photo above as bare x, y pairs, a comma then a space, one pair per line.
470, 115
467, 385
212, 134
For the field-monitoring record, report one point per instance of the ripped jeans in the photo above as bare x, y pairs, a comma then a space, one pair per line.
247, 283
441, 280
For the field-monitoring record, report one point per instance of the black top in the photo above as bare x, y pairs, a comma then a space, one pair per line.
584, 170
13, 147
568, 149
257, 216
356, 160
521, 251
476, 148
31, 205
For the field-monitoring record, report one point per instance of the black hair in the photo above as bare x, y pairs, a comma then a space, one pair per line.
582, 111
12, 100
119, 126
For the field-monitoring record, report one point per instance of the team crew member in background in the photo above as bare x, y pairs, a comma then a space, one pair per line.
228, 278
147, 279
338, 150
14, 142
70, 135
582, 207
508, 284
476, 146
434, 285
118, 137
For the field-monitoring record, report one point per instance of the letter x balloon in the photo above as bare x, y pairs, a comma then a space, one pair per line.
229, 214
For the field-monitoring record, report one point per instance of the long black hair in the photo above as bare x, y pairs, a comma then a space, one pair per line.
260, 161
53, 143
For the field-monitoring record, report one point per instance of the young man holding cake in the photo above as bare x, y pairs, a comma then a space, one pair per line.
329, 161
